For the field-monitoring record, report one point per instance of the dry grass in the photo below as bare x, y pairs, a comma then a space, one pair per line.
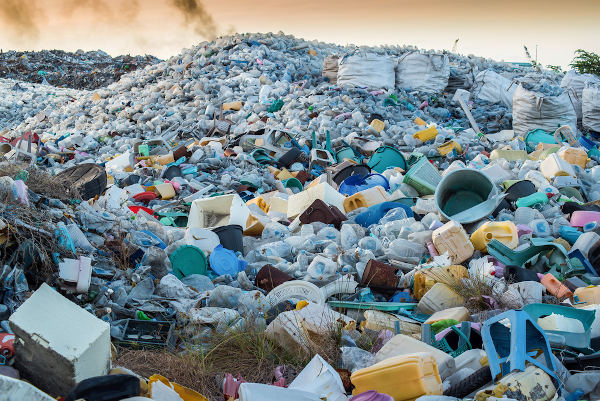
246, 351
39, 181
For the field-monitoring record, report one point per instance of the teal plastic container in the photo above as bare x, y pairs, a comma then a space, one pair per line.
423, 177
385, 157
533, 138
534, 199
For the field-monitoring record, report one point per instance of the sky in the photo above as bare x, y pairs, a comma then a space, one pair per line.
487, 28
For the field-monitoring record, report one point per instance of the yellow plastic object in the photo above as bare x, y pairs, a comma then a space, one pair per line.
273, 170
165, 190
460, 314
590, 295
426, 278
503, 231
260, 202
163, 160
284, 175
405, 377
365, 198
452, 238
232, 105
427, 134
378, 125
312, 52
254, 227
510, 155
448, 147
576, 156
420, 121
301, 304
185, 393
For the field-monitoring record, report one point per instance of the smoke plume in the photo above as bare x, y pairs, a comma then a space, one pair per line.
196, 15
21, 17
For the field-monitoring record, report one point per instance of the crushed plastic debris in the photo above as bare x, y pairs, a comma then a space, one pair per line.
380, 214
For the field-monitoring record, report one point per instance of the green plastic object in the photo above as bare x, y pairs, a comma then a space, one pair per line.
384, 157
537, 198
345, 153
293, 183
443, 324
276, 106
187, 260
509, 257
464, 334
533, 138
423, 177
558, 338
380, 306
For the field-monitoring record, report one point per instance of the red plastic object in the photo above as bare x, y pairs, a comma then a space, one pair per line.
145, 196
231, 385
6, 345
136, 209
34, 138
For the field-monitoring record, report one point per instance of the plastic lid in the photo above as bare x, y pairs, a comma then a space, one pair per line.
187, 260
224, 261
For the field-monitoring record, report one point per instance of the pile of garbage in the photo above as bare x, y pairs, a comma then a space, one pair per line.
79, 70
435, 217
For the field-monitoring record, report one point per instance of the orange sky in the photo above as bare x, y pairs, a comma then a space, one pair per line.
485, 28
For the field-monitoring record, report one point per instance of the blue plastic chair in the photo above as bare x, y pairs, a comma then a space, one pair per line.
508, 349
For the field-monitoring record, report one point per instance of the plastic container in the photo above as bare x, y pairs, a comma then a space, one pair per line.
384, 157
427, 134
580, 218
230, 237
423, 177
269, 277
372, 395
438, 298
425, 279
356, 183
357, 169
555, 287
365, 198
374, 213
533, 138
473, 359
466, 196
201, 238
589, 295
553, 166
452, 238
218, 211
460, 314
295, 290
575, 156
298, 203
537, 198
503, 231
404, 378
508, 154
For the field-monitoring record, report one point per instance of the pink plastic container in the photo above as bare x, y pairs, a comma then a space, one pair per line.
582, 217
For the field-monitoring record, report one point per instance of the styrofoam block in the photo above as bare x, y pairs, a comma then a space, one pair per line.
58, 344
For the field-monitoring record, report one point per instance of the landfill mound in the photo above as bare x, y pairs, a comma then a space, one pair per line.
79, 70
263, 217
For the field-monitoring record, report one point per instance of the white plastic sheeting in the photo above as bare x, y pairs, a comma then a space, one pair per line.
423, 72
369, 71
591, 108
576, 82
494, 88
532, 110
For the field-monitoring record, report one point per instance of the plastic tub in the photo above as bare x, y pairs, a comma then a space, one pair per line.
466, 196
224, 261
218, 211
359, 169
231, 237
533, 138
187, 260
423, 177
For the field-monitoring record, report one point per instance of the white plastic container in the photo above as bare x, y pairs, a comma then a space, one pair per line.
218, 211
553, 166
201, 238
438, 298
472, 359
298, 203
452, 238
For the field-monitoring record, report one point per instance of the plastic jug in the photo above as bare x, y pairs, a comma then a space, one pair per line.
405, 378
474, 359
365, 198
576, 156
553, 166
503, 231
452, 238
555, 287
426, 278
427, 134
438, 298
590, 295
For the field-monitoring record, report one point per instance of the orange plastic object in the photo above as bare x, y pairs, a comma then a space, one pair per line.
555, 287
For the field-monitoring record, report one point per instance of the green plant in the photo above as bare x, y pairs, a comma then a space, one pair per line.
555, 68
586, 62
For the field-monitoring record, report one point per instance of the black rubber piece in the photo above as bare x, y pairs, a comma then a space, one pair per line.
477, 380
87, 179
